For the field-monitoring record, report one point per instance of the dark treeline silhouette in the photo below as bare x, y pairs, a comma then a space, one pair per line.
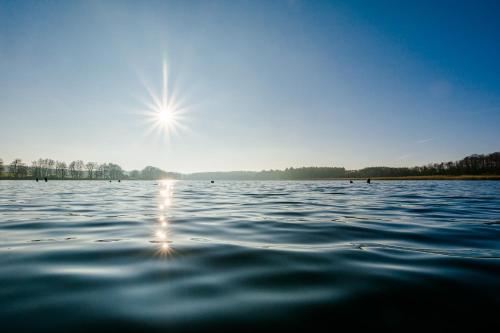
287, 174
152, 173
78, 170
471, 165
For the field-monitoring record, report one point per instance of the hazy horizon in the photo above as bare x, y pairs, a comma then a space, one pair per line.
27, 163
252, 85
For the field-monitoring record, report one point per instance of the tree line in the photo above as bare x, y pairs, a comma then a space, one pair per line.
78, 170
471, 165
51, 169
287, 174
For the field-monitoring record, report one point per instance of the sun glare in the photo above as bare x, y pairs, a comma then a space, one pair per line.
161, 234
165, 116
165, 110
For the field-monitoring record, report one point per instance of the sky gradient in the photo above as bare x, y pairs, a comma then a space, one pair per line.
265, 84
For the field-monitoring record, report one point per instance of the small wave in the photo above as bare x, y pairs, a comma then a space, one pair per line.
461, 253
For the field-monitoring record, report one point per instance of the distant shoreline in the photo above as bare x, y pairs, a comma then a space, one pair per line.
358, 179
463, 177
473, 167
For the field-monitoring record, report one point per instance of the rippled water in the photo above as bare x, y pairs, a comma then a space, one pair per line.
132, 256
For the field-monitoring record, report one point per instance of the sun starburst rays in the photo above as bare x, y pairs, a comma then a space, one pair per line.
164, 112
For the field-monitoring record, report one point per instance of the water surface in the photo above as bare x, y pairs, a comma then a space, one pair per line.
188, 256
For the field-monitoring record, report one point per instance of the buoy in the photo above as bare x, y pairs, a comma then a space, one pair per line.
37, 179
212, 181
368, 181
46, 180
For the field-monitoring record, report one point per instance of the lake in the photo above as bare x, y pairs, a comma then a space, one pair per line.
248, 256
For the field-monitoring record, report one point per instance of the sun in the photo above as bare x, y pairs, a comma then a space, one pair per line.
165, 110
165, 117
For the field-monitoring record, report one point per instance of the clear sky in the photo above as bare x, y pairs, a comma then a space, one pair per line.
262, 84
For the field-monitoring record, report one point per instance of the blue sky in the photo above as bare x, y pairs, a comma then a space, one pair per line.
264, 84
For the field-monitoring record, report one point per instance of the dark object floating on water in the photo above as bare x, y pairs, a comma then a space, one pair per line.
119, 180
110, 181
46, 180
37, 179
350, 182
212, 181
368, 181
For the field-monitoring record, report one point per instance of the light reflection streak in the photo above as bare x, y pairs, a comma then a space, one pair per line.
161, 233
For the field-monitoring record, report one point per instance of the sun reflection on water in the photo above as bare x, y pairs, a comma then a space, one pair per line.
161, 233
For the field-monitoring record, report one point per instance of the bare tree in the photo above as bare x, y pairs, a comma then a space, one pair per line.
15, 166
90, 166
35, 169
115, 171
23, 170
61, 169
104, 168
99, 173
42, 167
79, 168
50, 167
72, 169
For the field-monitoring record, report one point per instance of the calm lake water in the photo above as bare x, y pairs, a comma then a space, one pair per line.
187, 256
